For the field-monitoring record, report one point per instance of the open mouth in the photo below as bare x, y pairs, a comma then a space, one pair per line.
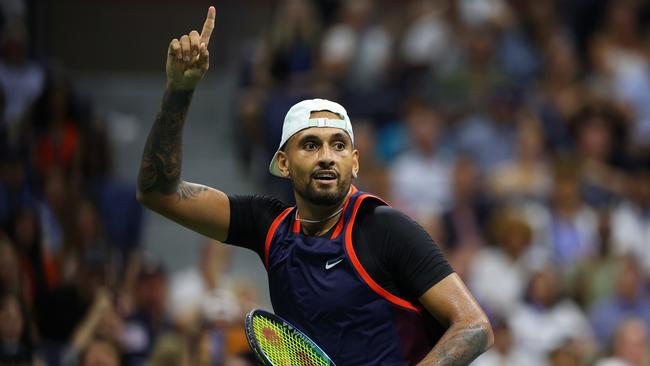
325, 176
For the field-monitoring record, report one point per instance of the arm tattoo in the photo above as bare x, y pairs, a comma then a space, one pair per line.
189, 190
160, 169
458, 347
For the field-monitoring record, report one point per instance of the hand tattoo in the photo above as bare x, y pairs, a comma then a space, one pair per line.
160, 169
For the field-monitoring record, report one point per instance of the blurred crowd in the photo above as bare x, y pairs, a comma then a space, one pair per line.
516, 132
76, 288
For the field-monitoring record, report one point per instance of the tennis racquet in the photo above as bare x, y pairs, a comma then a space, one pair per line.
278, 343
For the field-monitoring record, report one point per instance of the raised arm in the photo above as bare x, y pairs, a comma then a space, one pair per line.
160, 187
469, 333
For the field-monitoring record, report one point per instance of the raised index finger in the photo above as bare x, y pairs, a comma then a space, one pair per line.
208, 26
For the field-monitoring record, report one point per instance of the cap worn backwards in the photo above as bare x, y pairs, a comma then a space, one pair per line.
298, 119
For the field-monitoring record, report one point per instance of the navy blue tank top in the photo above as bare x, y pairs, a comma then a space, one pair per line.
319, 285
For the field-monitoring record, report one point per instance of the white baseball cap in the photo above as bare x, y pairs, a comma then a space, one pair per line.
298, 119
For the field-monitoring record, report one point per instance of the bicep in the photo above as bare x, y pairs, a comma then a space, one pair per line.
200, 208
450, 301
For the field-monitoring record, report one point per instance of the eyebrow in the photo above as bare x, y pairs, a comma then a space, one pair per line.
339, 136
308, 138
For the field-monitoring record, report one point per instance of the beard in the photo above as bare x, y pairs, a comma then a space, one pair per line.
321, 196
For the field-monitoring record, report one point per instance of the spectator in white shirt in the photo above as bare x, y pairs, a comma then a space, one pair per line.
631, 219
548, 320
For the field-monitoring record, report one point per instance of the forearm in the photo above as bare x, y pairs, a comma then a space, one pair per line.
86, 330
459, 346
160, 168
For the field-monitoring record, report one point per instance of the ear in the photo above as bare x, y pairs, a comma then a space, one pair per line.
355, 163
283, 164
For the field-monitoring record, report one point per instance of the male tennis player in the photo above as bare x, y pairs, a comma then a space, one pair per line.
364, 281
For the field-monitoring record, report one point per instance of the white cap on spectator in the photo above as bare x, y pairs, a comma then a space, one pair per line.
297, 119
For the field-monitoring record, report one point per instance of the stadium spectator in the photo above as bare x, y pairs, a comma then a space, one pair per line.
474, 12
16, 340
629, 299
427, 38
464, 223
70, 301
85, 236
56, 126
508, 261
15, 190
355, 51
149, 317
490, 137
40, 270
630, 219
247, 295
420, 176
469, 73
547, 319
516, 53
170, 349
620, 61
21, 79
527, 176
600, 137
205, 292
569, 228
292, 42
594, 276
506, 351
567, 354
101, 322
559, 93
11, 277
630, 345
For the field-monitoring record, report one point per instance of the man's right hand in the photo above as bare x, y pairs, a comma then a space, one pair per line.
188, 58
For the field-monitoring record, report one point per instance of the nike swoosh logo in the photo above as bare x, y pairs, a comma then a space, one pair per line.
329, 264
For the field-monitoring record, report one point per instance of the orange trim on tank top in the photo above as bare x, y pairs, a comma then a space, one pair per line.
359, 268
271, 232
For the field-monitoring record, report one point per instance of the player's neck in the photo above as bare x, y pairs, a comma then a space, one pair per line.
317, 220
319, 229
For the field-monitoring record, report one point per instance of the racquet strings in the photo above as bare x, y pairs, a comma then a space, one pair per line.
283, 346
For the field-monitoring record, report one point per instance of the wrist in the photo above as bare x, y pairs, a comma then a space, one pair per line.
177, 100
174, 87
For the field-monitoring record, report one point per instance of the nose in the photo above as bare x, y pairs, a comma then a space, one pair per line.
326, 157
